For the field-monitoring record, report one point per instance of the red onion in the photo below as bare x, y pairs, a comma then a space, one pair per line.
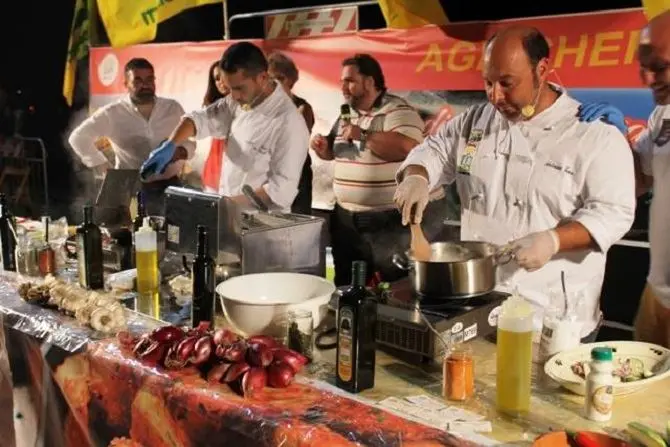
235, 371
224, 337
142, 344
259, 355
235, 352
254, 381
202, 350
172, 360
167, 333
291, 358
280, 375
215, 375
263, 340
186, 347
153, 355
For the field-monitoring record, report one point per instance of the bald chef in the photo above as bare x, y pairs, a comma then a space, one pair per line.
267, 138
530, 173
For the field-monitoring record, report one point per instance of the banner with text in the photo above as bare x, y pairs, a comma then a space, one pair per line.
594, 56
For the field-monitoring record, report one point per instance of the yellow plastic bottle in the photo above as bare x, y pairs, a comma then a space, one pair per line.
514, 356
146, 259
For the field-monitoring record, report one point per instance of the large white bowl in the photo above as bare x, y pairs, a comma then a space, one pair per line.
257, 303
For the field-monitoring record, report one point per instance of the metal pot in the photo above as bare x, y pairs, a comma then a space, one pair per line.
455, 270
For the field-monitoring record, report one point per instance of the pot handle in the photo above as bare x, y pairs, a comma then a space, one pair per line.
504, 254
401, 261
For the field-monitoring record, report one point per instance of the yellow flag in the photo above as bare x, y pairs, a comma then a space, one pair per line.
77, 47
405, 14
652, 8
135, 21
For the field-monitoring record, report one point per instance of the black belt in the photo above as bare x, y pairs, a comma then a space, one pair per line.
369, 220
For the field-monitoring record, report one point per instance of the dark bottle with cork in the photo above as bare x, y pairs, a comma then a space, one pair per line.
204, 281
356, 335
89, 252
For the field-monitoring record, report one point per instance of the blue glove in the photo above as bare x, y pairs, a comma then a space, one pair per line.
590, 112
158, 159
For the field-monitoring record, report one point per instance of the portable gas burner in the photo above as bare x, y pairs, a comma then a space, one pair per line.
401, 326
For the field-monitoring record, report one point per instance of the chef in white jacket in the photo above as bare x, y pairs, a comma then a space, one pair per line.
266, 136
529, 173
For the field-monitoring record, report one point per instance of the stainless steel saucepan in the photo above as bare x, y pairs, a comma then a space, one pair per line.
455, 270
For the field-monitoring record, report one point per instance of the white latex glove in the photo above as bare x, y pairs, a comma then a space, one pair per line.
535, 250
412, 194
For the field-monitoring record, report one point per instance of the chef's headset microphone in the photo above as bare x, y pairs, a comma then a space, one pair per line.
345, 116
528, 111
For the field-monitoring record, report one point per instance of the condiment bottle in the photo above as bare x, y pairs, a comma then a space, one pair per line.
356, 335
203, 274
599, 386
514, 356
146, 260
458, 375
7, 236
47, 256
89, 252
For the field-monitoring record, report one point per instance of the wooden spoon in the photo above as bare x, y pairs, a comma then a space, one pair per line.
419, 244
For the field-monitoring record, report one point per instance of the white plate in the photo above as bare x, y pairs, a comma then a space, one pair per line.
655, 358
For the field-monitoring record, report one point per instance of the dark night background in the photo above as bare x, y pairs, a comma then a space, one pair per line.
34, 45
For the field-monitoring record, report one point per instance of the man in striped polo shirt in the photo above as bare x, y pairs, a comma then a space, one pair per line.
368, 147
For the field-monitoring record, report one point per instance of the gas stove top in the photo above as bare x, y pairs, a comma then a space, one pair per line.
402, 327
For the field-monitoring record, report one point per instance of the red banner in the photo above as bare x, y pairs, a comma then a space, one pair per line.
430, 66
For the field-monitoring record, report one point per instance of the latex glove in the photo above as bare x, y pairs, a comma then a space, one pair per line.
158, 159
590, 112
412, 194
532, 252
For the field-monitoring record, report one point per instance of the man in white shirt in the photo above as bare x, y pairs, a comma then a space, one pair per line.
267, 138
134, 125
530, 173
652, 150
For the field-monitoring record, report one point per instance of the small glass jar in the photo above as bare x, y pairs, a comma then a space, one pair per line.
300, 332
458, 374
27, 262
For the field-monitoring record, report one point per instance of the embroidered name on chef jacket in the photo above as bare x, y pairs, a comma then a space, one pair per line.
664, 134
559, 167
465, 164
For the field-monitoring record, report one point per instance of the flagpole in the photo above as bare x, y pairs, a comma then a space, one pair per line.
226, 31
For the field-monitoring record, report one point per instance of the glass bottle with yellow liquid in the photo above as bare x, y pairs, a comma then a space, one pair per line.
146, 260
514, 356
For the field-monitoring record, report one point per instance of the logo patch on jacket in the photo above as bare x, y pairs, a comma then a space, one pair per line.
664, 134
465, 164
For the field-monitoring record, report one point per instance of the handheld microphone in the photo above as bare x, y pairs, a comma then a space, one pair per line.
345, 116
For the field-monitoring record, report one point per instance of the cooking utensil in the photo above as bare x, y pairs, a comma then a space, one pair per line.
254, 199
565, 294
419, 244
455, 269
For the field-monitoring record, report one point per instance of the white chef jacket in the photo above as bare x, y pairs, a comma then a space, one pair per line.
266, 146
132, 136
654, 149
529, 176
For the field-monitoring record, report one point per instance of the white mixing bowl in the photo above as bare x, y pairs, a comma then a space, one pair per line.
257, 303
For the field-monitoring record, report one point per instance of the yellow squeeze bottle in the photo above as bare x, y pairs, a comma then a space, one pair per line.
514, 356
146, 260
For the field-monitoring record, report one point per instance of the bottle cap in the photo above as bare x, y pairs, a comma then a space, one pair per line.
146, 225
601, 353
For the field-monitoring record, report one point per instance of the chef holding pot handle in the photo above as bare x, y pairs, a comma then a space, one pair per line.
529, 173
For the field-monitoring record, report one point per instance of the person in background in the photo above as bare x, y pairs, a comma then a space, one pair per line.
134, 125
532, 178
216, 89
283, 70
652, 153
264, 132
368, 147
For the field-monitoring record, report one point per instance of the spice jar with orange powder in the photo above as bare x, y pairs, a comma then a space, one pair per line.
458, 374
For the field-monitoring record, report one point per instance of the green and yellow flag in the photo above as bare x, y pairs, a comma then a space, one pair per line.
77, 47
403, 14
129, 22
652, 8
